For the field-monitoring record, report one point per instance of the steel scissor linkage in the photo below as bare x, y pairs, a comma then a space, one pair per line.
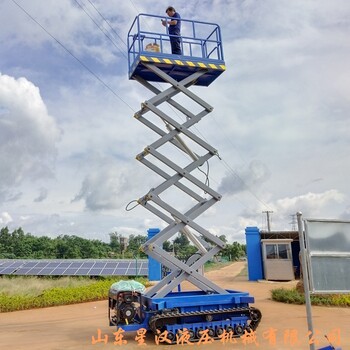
183, 177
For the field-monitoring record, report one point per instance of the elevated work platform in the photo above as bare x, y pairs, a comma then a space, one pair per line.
177, 157
149, 43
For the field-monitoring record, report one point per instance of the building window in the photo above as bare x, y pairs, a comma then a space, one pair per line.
277, 251
271, 252
283, 250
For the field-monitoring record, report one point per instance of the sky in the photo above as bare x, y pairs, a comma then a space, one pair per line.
68, 138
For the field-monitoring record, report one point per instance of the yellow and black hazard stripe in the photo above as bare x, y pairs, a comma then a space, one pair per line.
187, 63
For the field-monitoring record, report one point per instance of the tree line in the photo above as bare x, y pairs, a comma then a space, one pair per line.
20, 245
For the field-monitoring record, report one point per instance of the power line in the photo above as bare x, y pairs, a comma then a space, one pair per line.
234, 173
84, 65
236, 198
100, 28
75, 57
137, 11
107, 22
109, 88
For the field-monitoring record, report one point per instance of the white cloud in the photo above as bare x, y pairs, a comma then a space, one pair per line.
28, 134
43, 192
103, 189
110, 186
280, 115
67, 22
346, 214
5, 218
312, 203
251, 177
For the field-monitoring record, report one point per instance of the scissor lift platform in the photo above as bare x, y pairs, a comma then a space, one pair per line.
201, 47
210, 308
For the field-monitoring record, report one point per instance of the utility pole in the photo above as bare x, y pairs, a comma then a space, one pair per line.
268, 212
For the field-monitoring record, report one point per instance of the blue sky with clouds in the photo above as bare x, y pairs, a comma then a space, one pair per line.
68, 144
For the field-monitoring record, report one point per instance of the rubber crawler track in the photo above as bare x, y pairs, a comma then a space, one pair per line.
157, 322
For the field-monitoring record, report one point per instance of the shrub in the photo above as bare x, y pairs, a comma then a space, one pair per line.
97, 290
292, 296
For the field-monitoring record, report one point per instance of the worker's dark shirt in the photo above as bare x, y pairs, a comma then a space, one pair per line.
176, 28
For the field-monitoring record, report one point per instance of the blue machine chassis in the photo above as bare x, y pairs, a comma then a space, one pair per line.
195, 311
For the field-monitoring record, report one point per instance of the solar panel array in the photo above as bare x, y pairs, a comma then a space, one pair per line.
74, 267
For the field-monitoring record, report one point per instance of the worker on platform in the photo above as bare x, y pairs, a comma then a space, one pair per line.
174, 30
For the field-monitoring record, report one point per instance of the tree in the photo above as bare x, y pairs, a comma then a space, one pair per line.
223, 238
43, 248
65, 250
234, 251
114, 242
18, 245
181, 241
182, 247
134, 246
167, 246
6, 242
21, 248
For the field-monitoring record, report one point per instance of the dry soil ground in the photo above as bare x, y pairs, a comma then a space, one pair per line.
72, 327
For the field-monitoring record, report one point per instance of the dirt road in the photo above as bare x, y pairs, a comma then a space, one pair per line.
283, 327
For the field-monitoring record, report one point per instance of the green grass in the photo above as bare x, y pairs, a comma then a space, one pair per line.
33, 286
292, 296
15, 293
